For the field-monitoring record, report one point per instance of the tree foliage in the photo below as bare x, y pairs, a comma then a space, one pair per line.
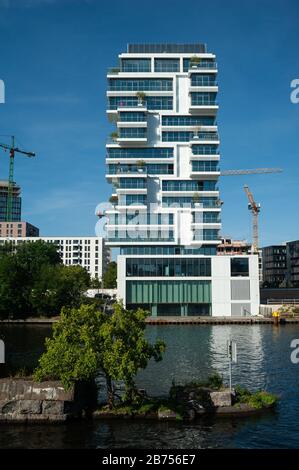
34, 282
125, 348
74, 351
86, 340
110, 276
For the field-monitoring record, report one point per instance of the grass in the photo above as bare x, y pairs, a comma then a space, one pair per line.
257, 400
148, 406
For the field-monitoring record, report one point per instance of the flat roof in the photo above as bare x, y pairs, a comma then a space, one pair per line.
166, 47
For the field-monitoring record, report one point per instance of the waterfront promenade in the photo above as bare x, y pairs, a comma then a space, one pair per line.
176, 320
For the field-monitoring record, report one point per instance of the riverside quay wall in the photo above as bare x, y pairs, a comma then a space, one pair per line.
24, 400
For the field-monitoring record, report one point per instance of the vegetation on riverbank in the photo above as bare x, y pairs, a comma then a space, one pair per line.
34, 282
86, 340
258, 400
185, 402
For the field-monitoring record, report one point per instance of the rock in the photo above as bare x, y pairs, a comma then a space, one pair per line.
9, 406
53, 407
190, 414
30, 407
196, 406
167, 414
221, 398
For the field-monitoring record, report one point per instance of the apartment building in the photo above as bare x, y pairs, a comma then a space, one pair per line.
274, 265
163, 163
88, 252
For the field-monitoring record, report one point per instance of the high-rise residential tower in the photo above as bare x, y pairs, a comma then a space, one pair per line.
163, 162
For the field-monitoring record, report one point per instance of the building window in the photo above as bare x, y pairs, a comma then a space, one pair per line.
156, 267
239, 267
136, 65
167, 65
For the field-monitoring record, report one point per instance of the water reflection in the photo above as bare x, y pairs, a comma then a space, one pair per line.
192, 353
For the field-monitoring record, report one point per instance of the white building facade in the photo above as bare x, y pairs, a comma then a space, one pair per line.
89, 252
163, 163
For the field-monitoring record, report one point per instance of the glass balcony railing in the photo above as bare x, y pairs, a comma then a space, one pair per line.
140, 239
139, 184
142, 87
148, 169
203, 64
136, 68
188, 202
186, 136
205, 136
203, 82
203, 102
132, 116
192, 186
205, 169
204, 150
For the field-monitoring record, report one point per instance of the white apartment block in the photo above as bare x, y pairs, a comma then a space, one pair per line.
89, 252
163, 163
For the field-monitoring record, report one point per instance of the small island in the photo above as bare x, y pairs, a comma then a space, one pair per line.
192, 400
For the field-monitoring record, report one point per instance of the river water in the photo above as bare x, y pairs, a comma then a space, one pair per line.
193, 352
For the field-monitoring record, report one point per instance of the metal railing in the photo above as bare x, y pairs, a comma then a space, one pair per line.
203, 65
196, 102
204, 83
282, 301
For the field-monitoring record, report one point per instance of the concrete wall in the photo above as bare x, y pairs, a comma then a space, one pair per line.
25, 400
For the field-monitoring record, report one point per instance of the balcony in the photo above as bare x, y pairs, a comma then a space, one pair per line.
180, 201
203, 106
133, 170
135, 190
114, 110
205, 137
129, 135
205, 174
149, 239
113, 71
201, 66
131, 118
203, 85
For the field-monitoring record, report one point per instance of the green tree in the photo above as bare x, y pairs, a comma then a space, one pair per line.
74, 352
95, 283
126, 350
110, 276
19, 268
58, 286
86, 340
33, 281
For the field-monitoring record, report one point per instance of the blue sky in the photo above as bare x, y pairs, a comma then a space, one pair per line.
54, 55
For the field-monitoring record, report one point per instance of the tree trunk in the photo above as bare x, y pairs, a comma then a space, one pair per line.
110, 392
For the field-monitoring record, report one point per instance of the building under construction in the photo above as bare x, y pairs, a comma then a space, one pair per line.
16, 201
14, 227
11, 224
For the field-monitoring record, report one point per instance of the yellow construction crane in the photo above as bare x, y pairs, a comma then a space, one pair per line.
255, 208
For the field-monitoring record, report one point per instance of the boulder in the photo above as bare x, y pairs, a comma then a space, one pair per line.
32, 407
221, 398
167, 414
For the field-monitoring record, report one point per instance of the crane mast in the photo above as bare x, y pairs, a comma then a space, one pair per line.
255, 210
